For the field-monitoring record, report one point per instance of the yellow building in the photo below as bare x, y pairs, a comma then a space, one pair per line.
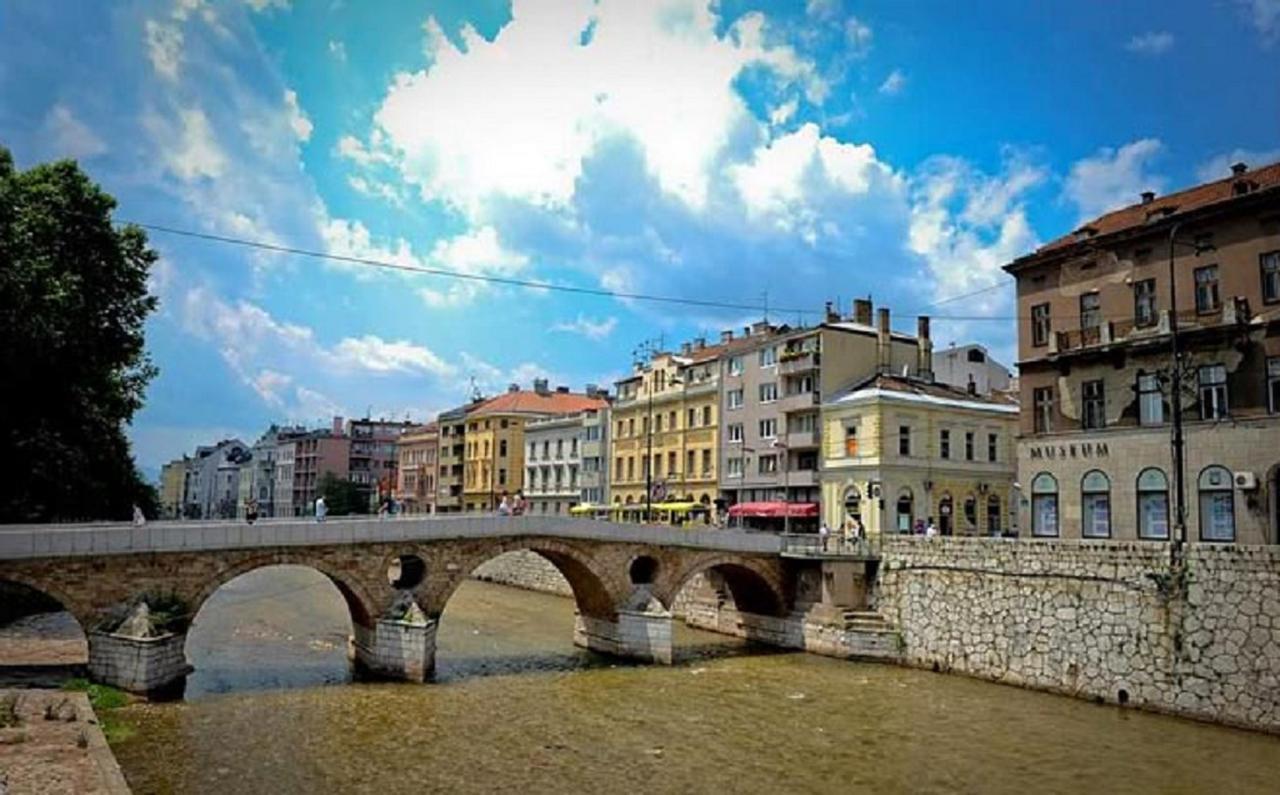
900, 452
493, 464
173, 487
665, 429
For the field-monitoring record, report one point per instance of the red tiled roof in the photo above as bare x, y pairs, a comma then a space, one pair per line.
528, 402
1183, 201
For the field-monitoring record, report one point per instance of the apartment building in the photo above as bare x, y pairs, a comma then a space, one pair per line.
314, 455
417, 469
665, 428
593, 477
213, 479
962, 365
494, 440
173, 482
773, 379
258, 472
553, 463
1095, 345
373, 456
451, 454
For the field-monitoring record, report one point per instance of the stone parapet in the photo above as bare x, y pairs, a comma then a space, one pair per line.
138, 665
396, 650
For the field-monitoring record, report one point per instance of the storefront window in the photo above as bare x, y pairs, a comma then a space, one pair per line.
1044, 505
904, 512
1096, 504
1153, 504
1217, 505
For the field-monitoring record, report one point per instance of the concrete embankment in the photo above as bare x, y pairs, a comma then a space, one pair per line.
52, 744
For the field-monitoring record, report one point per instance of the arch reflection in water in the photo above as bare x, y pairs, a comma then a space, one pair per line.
41, 640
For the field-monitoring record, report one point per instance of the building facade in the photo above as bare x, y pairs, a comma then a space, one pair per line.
213, 480
494, 440
961, 365
553, 463
451, 454
173, 487
666, 418
901, 452
372, 466
417, 469
315, 455
593, 477
258, 474
773, 381
1096, 367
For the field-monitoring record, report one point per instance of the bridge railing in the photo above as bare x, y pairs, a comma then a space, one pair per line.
812, 545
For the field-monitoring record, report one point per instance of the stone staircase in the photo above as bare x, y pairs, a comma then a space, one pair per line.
869, 636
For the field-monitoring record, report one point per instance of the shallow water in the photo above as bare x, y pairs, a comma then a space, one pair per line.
517, 708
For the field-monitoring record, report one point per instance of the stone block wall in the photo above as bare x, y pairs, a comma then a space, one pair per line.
1102, 620
524, 569
396, 650
138, 665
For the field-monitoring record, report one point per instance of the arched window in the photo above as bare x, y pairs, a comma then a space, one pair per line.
1044, 505
1153, 504
1217, 505
1095, 502
993, 514
905, 511
970, 513
853, 504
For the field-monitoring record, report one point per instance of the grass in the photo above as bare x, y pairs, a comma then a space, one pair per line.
9, 711
105, 701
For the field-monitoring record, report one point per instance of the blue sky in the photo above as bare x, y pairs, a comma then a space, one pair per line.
721, 151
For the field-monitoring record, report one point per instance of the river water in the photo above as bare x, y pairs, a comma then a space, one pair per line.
517, 708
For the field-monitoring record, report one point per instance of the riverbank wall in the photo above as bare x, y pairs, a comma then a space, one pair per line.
1107, 621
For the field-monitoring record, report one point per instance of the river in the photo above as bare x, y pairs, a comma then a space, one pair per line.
516, 707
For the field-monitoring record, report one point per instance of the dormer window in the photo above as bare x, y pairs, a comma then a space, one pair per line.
1085, 232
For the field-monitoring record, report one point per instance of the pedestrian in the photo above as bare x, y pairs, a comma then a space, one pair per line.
824, 532
383, 508
504, 507
138, 518
321, 508
519, 506
251, 510
931, 530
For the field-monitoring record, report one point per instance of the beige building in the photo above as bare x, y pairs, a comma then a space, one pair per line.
173, 482
451, 455
417, 472
1095, 351
900, 452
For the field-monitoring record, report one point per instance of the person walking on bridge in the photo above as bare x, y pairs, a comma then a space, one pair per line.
321, 508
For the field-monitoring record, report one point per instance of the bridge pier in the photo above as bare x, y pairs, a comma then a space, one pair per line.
635, 634
146, 666
393, 649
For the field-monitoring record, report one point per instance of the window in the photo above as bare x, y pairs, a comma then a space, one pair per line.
944, 444
735, 398
735, 365
671, 464
993, 514
802, 423
502, 477
1270, 265
768, 392
1150, 400
768, 428
851, 441
904, 512
768, 356
1144, 303
1217, 505
657, 424
904, 440
1213, 392
1095, 490
1153, 504
768, 464
706, 415
706, 463
993, 447
657, 465
1040, 326
502, 424
619, 428
631, 429
690, 460
1090, 310
631, 468
968, 445
691, 418
1044, 505
1095, 404
1206, 289
1042, 416
671, 420
502, 448
971, 512
1273, 384
733, 467
735, 432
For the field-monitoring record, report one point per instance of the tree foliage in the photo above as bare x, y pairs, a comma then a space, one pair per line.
73, 302
341, 496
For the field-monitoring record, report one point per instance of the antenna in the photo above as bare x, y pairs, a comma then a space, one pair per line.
476, 394
764, 297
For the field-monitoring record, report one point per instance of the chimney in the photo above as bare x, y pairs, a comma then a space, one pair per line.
884, 361
541, 386
924, 349
726, 336
972, 386
1238, 169
862, 311
830, 315
337, 426
746, 331
563, 390
1148, 196
686, 348
699, 343
592, 391
513, 388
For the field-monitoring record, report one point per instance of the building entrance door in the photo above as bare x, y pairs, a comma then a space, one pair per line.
945, 509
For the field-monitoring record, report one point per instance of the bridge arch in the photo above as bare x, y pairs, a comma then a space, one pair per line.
84, 614
755, 586
360, 602
64, 635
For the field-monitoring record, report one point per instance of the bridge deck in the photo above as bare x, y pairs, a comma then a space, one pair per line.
78, 540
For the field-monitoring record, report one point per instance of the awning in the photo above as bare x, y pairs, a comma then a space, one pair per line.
796, 510
582, 510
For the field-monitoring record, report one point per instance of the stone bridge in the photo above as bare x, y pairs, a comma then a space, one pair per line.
396, 576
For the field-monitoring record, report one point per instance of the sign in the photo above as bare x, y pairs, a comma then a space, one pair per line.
659, 492
1053, 452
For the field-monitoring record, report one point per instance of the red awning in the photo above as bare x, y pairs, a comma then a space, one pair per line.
795, 510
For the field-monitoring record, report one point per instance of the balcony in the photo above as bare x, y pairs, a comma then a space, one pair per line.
801, 439
798, 402
797, 362
1231, 313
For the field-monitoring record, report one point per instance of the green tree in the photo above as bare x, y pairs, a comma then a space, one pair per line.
341, 496
73, 301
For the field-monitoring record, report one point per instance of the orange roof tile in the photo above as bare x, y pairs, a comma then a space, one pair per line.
529, 402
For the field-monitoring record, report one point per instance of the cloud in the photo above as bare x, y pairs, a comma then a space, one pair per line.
164, 48
69, 136
376, 355
825, 10
270, 384
1151, 43
298, 120
376, 189
338, 50
1113, 178
191, 151
1265, 16
1219, 166
264, 5
894, 83
587, 327
858, 36
549, 100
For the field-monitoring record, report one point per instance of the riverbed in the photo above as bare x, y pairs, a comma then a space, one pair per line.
516, 707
